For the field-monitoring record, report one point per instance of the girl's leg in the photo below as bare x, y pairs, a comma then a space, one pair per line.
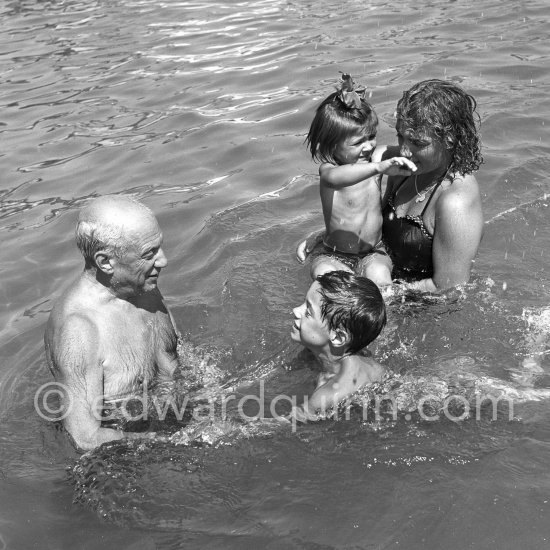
377, 267
305, 247
323, 263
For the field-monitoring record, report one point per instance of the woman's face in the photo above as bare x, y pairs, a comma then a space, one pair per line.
425, 150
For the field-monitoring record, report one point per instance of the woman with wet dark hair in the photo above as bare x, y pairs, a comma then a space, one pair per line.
433, 220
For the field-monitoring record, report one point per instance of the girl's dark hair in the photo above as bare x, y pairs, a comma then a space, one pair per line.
334, 121
444, 110
352, 303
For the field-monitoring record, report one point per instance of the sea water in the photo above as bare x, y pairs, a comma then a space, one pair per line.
200, 110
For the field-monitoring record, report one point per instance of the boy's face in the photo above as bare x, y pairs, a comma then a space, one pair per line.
358, 146
309, 328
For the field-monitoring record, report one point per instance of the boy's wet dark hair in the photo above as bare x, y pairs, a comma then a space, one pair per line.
335, 121
352, 303
444, 110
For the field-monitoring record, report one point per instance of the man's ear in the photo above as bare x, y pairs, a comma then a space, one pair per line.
103, 261
339, 337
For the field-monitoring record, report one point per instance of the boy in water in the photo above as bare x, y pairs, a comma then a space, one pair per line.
341, 315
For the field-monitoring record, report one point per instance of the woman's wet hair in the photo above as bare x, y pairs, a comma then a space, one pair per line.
444, 110
334, 122
352, 303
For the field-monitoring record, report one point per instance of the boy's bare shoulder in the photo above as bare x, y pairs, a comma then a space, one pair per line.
365, 367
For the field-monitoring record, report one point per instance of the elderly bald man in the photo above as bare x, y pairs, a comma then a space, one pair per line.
110, 333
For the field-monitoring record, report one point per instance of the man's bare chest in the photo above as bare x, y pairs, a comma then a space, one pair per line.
131, 344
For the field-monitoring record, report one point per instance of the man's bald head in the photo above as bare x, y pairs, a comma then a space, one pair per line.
107, 223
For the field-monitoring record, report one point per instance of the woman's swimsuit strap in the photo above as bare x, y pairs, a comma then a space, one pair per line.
421, 215
418, 219
406, 237
430, 197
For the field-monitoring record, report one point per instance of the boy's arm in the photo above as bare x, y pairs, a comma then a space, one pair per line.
323, 398
349, 174
337, 388
329, 394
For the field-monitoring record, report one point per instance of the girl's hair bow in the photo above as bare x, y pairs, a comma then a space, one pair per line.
350, 94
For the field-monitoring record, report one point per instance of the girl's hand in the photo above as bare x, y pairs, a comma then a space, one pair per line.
397, 166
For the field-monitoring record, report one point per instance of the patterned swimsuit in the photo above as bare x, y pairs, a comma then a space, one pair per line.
407, 240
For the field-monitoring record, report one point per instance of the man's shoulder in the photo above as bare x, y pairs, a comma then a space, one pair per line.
77, 297
76, 309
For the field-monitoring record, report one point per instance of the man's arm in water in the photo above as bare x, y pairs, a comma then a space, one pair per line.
167, 357
78, 366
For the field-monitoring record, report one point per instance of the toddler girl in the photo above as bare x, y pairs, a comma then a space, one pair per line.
342, 137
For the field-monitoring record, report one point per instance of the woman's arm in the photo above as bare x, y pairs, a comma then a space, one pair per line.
457, 234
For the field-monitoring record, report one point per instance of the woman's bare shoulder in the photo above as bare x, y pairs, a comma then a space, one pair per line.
460, 194
461, 188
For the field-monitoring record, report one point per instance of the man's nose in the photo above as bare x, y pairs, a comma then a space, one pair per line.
160, 260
